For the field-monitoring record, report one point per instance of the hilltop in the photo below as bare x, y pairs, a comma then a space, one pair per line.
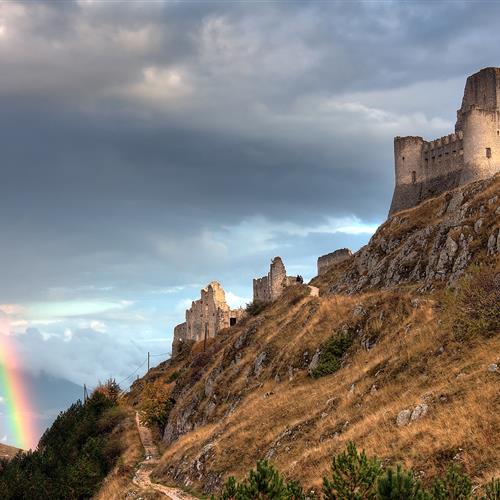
399, 354
8, 451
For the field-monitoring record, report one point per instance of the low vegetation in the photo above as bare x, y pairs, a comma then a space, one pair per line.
73, 456
332, 352
156, 404
354, 476
255, 307
473, 307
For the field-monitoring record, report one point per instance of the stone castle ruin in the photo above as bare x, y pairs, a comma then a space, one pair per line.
270, 287
425, 169
210, 314
206, 317
326, 262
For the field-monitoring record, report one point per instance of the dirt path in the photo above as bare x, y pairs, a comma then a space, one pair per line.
142, 477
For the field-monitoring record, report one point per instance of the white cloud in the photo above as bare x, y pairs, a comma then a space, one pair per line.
236, 301
98, 326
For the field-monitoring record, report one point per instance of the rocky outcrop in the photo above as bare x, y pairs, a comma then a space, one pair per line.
431, 243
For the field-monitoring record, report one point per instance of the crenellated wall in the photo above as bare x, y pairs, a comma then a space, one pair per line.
424, 169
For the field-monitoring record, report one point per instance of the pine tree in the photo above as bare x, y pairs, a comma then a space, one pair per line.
400, 485
353, 476
454, 486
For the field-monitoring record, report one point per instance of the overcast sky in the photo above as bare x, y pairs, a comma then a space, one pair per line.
148, 148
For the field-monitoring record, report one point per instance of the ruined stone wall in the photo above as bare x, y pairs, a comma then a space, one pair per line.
270, 287
277, 278
194, 321
261, 289
180, 334
325, 262
424, 169
207, 315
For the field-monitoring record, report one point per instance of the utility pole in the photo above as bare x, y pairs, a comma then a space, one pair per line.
149, 356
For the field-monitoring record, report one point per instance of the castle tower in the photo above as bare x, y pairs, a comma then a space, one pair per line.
409, 172
424, 169
479, 117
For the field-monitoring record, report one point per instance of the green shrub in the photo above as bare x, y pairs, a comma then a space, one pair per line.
155, 405
110, 419
353, 476
492, 490
265, 482
454, 486
332, 352
110, 389
400, 485
255, 308
174, 376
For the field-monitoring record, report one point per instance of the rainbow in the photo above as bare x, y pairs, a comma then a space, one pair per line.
12, 388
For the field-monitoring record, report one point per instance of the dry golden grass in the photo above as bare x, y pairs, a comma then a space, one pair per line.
119, 481
305, 421
280, 412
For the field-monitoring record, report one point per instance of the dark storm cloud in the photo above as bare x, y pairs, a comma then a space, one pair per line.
164, 144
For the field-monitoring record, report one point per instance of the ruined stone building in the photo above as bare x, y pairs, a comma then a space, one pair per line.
206, 317
425, 169
326, 262
270, 287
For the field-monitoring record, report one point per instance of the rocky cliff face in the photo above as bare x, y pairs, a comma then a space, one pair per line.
431, 244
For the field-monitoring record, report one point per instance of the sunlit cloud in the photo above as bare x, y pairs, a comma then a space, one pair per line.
159, 85
73, 308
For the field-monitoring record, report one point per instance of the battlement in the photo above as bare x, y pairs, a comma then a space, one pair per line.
424, 169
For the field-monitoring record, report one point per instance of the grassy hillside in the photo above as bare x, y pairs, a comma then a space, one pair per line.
408, 329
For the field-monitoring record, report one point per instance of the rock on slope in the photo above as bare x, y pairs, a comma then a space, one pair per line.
408, 389
431, 243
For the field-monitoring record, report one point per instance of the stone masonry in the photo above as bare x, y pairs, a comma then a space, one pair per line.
206, 317
425, 169
325, 262
270, 287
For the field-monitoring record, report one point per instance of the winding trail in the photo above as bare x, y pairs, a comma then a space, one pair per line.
142, 477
